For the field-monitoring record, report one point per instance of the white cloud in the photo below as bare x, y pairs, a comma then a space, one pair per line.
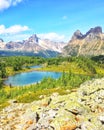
13, 29
16, 37
52, 36
64, 17
4, 4
23, 36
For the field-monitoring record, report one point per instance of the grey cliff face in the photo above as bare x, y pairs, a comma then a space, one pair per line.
92, 32
13, 45
95, 30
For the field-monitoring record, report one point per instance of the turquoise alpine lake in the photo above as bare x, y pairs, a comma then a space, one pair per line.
27, 78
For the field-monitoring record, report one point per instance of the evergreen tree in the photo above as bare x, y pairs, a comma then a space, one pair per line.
3, 70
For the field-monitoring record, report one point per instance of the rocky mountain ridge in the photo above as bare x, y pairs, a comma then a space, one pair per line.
34, 45
89, 44
80, 109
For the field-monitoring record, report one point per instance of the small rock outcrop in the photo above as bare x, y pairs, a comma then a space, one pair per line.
80, 110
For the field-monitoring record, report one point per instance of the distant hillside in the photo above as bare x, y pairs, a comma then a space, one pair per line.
89, 44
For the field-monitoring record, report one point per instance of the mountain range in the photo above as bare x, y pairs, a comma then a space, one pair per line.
32, 46
89, 44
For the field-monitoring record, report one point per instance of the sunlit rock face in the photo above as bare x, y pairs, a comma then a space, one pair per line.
91, 43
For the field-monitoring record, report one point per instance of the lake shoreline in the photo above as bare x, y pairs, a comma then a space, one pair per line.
32, 76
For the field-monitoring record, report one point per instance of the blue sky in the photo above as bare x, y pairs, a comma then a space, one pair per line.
53, 19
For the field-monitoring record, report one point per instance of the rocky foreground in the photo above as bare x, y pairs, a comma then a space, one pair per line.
82, 109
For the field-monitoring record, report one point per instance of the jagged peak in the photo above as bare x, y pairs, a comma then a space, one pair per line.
95, 30
77, 35
34, 38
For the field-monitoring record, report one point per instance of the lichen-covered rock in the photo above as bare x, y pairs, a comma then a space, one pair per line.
80, 110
